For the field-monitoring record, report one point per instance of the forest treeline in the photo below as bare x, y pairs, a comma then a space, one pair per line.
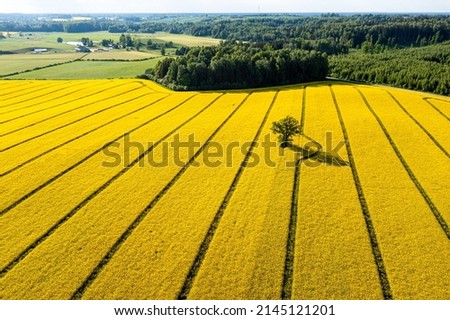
233, 66
424, 69
338, 31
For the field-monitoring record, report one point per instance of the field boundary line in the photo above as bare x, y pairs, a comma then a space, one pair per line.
78, 294
203, 249
288, 273
376, 251
427, 100
68, 85
58, 105
79, 119
99, 190
419, 124
73, 139
411, 174
92, 154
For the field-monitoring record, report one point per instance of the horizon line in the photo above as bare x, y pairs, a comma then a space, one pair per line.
233, 13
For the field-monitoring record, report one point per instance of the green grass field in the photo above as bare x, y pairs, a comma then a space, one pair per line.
91, 70
22, 62
29, 41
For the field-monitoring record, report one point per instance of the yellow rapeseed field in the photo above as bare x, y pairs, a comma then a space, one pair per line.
249, 247
71, 187
62, 122
186, 207
414, 246
123, 189
431, 123
73, 152
440, 105
62, 90
425, 148
329, 216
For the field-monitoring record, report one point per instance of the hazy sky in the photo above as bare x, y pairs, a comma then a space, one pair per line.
166, 6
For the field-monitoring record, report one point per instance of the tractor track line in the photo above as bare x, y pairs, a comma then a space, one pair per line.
99, 190
427, 100
66, 112
92, 154
59, 104
376, 251
69, 86
75, 121
73, 139
5, 86
78, 294
192, 274
288, 274
411, 174
21, 90
420, 125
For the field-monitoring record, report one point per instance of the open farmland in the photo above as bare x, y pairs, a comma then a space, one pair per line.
365, 216
91, 70
100, 64
22, 62
27, 42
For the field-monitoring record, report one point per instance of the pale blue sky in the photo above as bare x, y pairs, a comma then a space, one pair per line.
177, 6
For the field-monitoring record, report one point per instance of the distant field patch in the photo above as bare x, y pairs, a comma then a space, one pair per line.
11, 63
186, 40
120, 55
29, 41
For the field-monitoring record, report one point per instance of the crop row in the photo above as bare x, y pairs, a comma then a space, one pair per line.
367, 220
89, 108
436, 127
28, 99
441, 106
203, 249
34, 87
170, 252
179, 117
411, 241
417, 168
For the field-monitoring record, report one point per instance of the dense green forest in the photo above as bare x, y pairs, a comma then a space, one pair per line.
425, 68
232, 66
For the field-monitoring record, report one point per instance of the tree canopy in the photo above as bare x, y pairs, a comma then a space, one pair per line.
286, 128
232, 65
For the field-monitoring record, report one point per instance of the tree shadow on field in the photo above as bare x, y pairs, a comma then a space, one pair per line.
313, 151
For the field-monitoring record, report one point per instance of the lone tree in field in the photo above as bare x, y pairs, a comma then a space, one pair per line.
286, 128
